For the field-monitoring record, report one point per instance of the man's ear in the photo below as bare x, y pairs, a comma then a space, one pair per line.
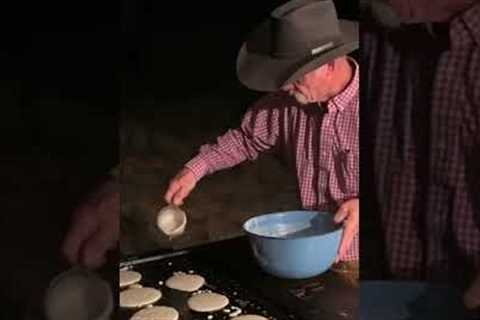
332, 64
330, 68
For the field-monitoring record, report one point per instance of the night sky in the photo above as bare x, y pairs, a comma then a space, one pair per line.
85, 49
100, 55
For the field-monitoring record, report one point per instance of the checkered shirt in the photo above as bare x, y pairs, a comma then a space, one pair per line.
321, 141
423, 102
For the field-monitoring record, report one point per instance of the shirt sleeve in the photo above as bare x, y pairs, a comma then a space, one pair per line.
258, 132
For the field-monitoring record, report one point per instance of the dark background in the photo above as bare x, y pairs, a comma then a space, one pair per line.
59, 97
67, 71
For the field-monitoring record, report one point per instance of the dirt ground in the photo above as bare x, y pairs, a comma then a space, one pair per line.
159, 137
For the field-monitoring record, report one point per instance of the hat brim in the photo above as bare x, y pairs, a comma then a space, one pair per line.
264, 73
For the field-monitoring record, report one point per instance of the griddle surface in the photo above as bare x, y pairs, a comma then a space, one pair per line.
229, 268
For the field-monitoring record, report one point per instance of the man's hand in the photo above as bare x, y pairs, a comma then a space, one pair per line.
180, 187
471, 298
95, 227
349, 215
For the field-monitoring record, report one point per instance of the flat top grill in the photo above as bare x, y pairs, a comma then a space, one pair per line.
229, 269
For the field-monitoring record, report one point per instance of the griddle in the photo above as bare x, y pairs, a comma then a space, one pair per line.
230, 269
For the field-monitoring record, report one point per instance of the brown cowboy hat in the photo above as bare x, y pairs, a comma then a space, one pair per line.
298, 37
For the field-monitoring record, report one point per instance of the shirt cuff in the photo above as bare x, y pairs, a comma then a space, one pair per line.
198, 166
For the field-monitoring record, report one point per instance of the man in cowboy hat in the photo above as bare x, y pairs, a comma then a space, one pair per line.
298, 55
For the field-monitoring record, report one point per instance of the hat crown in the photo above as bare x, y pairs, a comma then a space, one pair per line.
297, 28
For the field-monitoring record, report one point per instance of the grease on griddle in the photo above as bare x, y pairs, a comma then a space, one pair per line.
307, 290
343, 314
236, 311
249, 302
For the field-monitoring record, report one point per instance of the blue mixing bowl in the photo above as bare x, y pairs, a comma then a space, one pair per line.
294, 244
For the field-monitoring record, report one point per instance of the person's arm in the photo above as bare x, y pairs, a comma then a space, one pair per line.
348, 214
95, 226
471, 297
259, 132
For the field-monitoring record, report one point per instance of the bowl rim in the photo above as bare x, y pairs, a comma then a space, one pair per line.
339, 229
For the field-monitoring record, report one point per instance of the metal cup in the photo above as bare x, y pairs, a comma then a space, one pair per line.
171, 220
78, 294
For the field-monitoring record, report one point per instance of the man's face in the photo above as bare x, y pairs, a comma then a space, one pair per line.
312, 87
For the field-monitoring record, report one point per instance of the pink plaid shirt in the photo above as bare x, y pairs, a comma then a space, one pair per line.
321, 141
423, 95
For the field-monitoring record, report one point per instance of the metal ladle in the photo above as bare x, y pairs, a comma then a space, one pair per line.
171, 220
79, 294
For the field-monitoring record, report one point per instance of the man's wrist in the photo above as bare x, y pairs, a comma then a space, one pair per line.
198, 167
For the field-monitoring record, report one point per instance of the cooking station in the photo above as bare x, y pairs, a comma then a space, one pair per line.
230, 269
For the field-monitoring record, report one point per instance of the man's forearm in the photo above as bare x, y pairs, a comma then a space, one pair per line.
472, 296
258, 132
229, 151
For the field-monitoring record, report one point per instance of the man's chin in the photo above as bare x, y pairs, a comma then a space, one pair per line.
303, 103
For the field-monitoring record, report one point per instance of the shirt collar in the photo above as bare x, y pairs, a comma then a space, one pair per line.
348, 94
470, 19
